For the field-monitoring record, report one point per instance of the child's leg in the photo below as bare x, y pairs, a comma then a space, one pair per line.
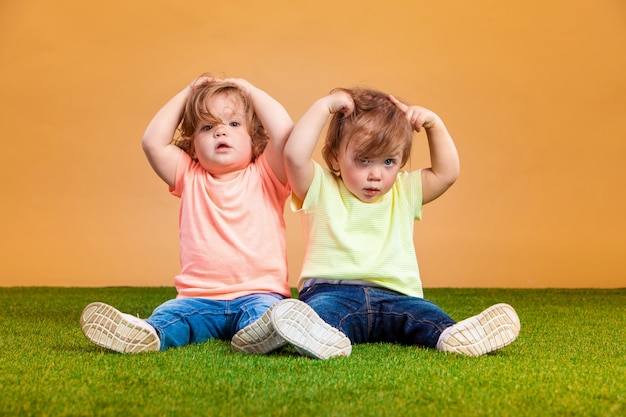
107, 327
418, 321
407, 320
370, 314
344, 307
174, 323
184, 321
494, 328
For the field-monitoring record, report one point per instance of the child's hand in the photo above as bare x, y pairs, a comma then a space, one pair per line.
245, 85
205, 79
418, 116
340, 101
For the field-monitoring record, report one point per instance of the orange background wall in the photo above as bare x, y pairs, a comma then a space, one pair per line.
534, 93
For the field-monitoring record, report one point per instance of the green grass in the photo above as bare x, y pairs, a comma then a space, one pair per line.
569, 360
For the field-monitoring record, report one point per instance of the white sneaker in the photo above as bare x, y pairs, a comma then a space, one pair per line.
259, 337
493, 329
107, 327
300, 325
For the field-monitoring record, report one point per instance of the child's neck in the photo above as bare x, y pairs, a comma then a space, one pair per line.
226, 176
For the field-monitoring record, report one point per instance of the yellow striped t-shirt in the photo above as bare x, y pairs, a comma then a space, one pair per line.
347, 239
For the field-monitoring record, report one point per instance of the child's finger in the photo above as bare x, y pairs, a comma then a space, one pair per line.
398, 103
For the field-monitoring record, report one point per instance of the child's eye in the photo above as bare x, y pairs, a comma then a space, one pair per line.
206, 127
390, 162
235, 124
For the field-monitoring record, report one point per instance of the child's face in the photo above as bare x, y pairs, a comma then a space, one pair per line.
224, 147
367, 179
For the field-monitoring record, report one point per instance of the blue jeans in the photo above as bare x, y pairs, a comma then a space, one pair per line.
183, 321
372, 314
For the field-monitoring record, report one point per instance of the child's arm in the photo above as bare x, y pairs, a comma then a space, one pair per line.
302, 141
444, 157
157, 139
275, 120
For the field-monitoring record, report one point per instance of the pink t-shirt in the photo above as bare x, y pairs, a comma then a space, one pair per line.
232, 233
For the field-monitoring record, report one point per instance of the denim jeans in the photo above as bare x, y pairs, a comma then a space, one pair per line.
183, 321
371, 314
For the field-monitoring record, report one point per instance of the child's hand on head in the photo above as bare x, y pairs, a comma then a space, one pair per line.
204, 79
418, 116
340, 101
245, 85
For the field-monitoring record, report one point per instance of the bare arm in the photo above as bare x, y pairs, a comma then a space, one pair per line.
161, 153
301, 143
444, 158
276, 122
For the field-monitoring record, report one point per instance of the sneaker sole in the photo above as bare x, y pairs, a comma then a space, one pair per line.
259, 337
105, 326
496, 327
300, 325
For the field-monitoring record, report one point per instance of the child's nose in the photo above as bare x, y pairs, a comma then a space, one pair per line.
374, 174
219, 130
